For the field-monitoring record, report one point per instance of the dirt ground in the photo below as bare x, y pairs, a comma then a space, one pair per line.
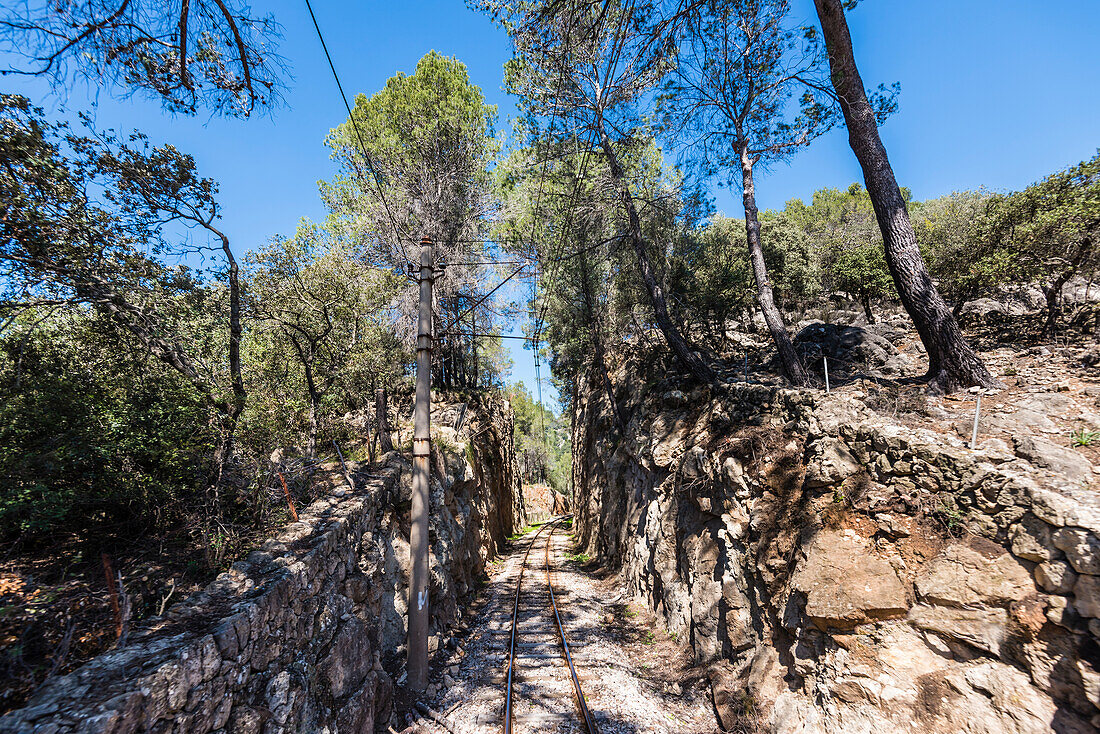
1050, 388
634, 676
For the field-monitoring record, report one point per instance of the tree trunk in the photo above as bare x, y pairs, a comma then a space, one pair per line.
381, 416
788, 357
865, 299
597, 341
952, 364
700, 369
1053, 294
311, 447
314, 399
236, 375
473, 346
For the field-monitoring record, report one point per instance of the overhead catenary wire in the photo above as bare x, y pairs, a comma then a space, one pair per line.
540, 313
538, 200
355, 126
480, 335
483, 298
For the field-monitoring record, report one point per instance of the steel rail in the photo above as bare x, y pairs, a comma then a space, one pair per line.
512, 643
589, 722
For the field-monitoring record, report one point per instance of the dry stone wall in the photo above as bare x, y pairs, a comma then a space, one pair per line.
305, 635
841, 573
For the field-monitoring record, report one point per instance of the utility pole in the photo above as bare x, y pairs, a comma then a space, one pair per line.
418, 537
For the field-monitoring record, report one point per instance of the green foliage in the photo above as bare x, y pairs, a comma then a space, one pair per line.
559, 197
1054, 224
186, 55
965, 257
415, 161
949, 513
542, 441
846, 245
711, 274
1052, 229
1084, 437
321, 341
93, 432
977, 243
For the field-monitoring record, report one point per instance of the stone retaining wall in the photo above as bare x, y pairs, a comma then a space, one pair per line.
839, 572
304, 635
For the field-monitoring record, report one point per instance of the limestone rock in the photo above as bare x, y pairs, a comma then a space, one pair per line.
1049, 455
1087, 596
833, 466
850, 346
1031, 540
984, 629
1055, 576
285, 640
1016, 705
1081, 547
358, 715
846, 583
1061, 612
1073, 506
727, 692
348, 660
962, 575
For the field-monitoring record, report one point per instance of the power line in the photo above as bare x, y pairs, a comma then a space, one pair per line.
479, 335
479, 240
484, 298
446, 263
355, 125
541, 313
538, 199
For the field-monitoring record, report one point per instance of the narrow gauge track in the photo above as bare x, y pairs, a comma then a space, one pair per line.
509, 699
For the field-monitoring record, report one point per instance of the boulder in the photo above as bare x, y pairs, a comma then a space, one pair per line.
1031, 540
984, 629
1055, 577
983, 308
1086, 594
348, 660
849, 347
728, 694
1081, 547
1065, 505
981, 573
833, 466
846, 583
1049, 455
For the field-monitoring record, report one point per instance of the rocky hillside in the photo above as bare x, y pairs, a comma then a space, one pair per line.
845, 562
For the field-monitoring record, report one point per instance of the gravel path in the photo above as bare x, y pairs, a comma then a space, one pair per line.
635, 678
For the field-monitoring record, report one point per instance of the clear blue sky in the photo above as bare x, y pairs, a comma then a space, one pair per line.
993, 94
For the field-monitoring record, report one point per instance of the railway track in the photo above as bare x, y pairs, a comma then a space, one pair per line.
537, 691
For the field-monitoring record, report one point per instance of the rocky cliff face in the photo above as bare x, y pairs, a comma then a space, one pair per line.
306, 634
840, 572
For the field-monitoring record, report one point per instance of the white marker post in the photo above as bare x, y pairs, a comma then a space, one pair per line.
825, 361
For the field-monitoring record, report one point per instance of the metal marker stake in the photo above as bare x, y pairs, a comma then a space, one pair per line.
746, 366
825, 361
974, 433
